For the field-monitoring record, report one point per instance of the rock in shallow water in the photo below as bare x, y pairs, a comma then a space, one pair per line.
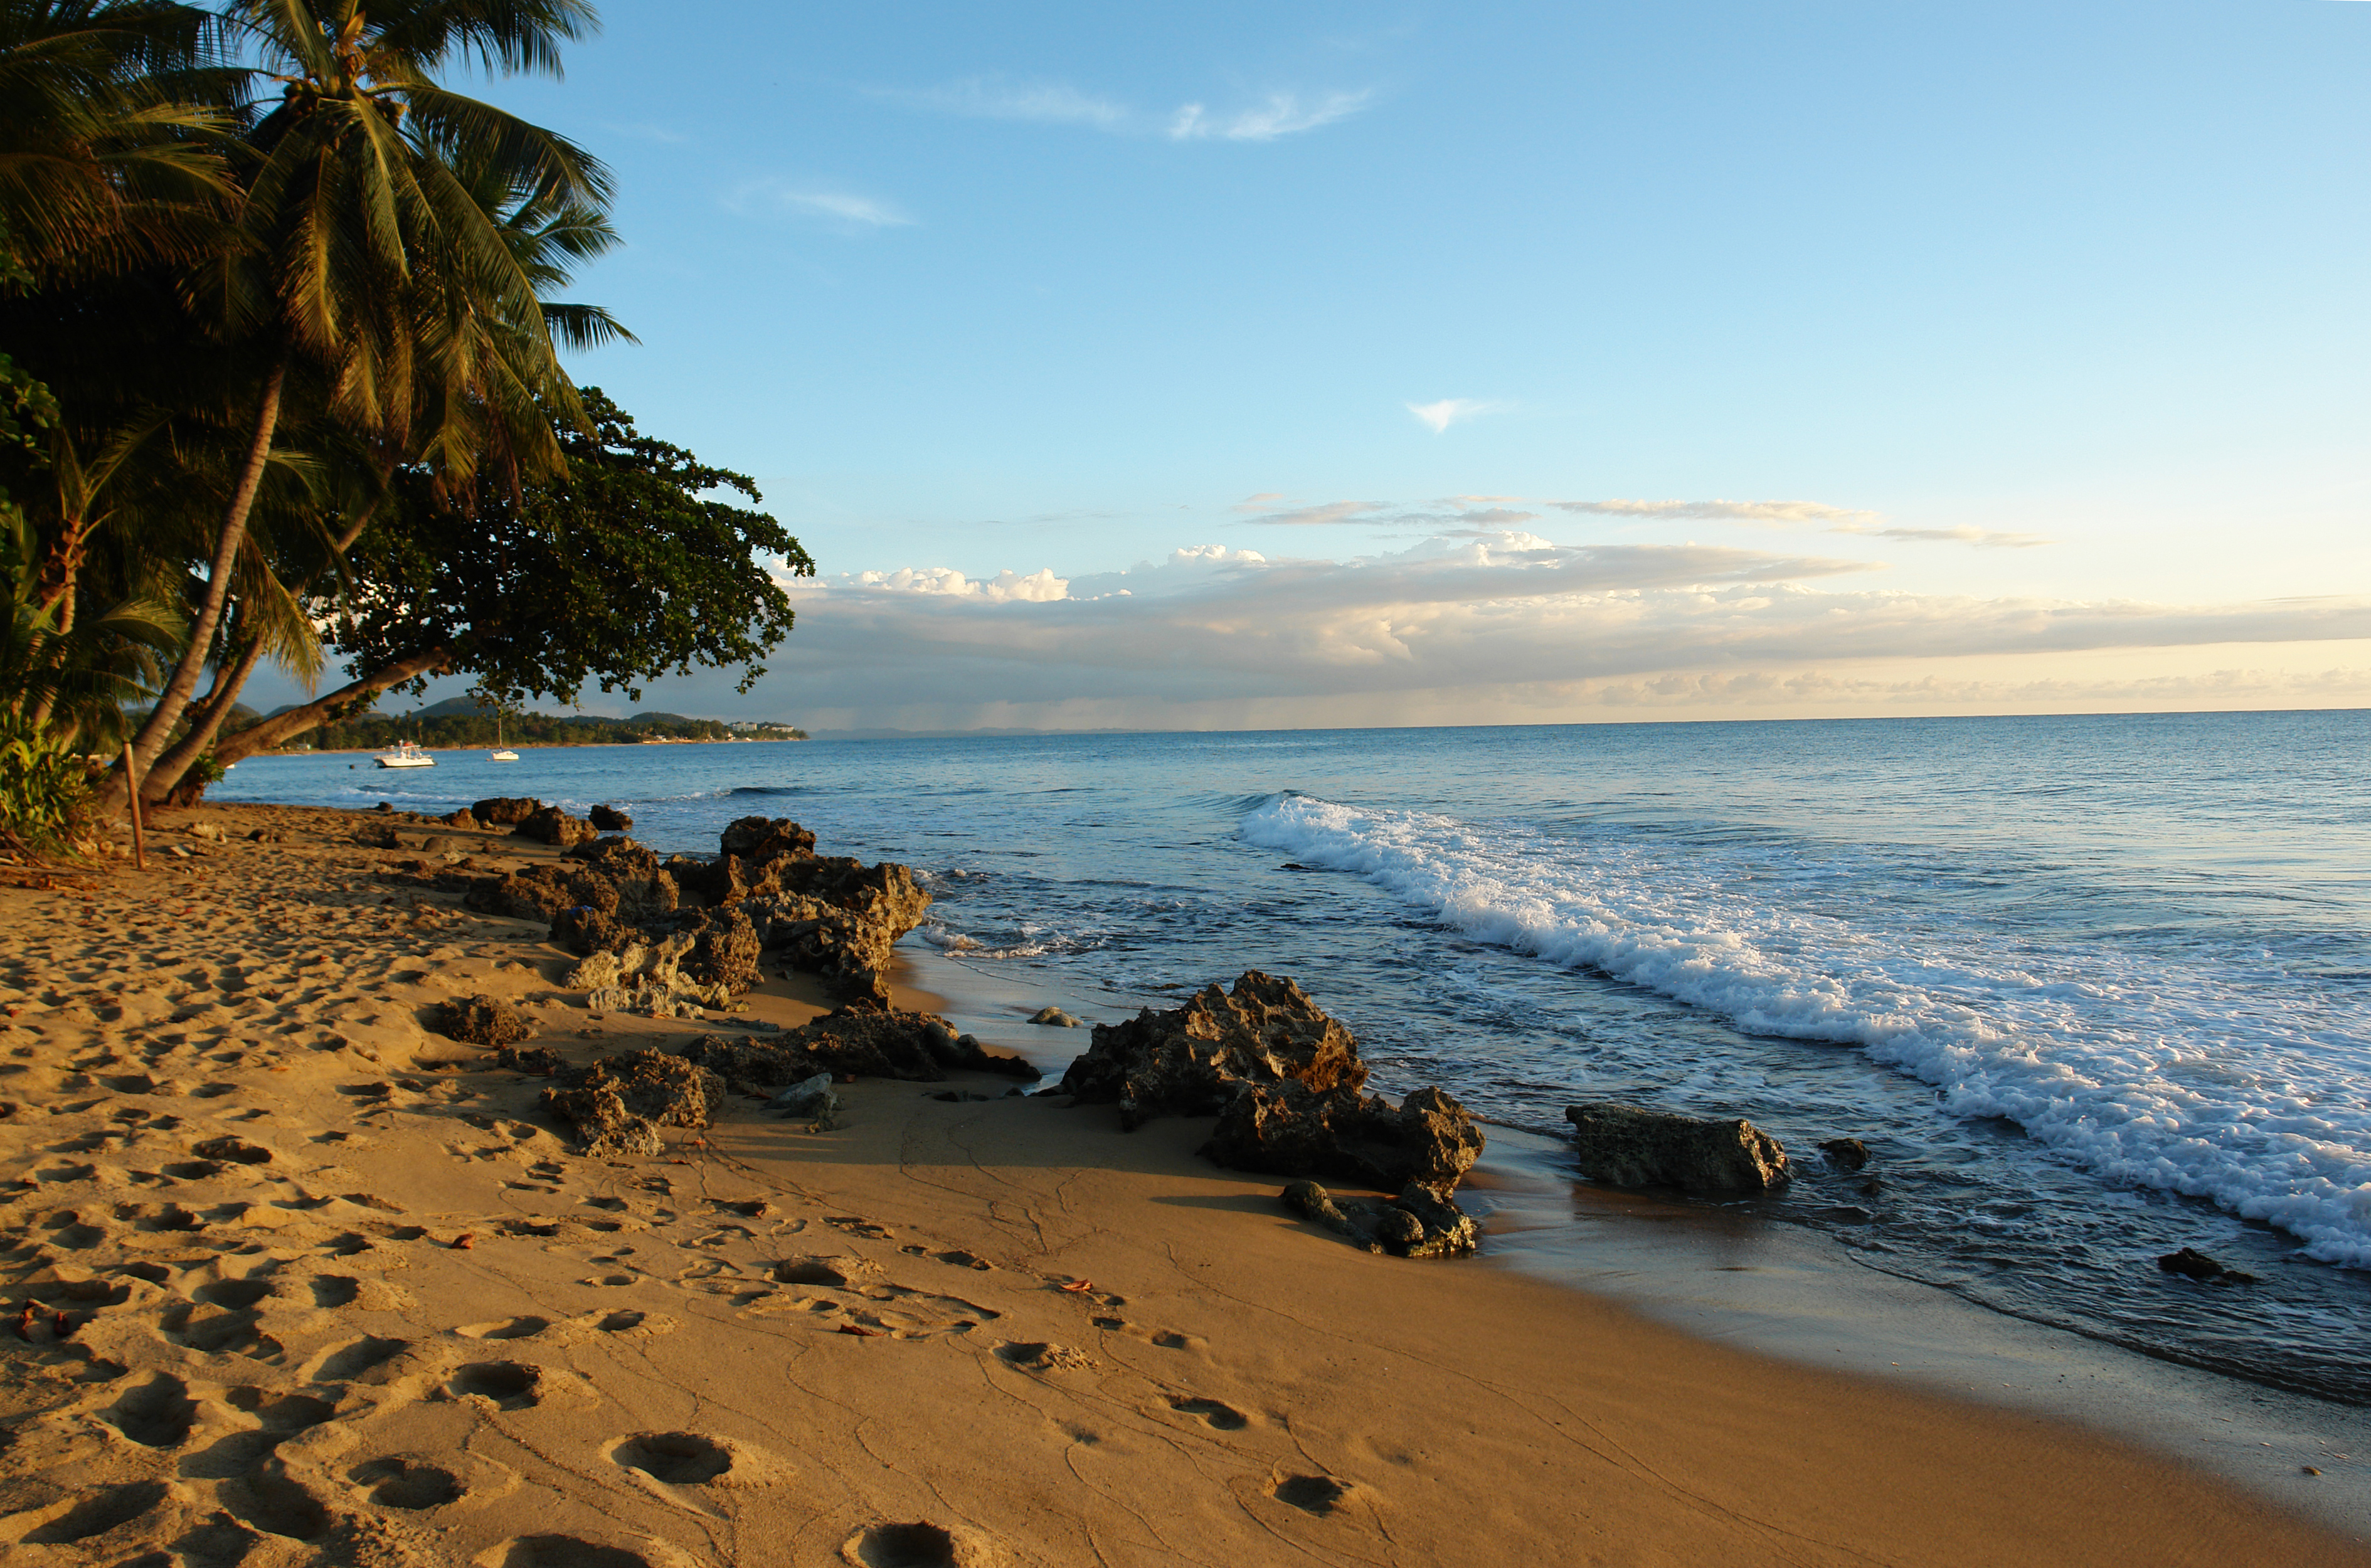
2193, 1264
1845, 1154
1627, 1146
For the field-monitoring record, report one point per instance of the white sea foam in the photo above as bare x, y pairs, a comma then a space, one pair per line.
2249, 1091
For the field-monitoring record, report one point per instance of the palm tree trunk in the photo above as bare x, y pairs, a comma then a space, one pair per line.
60, 574
206, 722
296, 720
184, 681
165, 776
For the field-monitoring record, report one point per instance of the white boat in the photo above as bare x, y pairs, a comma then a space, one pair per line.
502, 757
405, 755
499, 754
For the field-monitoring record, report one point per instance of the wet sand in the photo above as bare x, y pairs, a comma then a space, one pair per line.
242, 1167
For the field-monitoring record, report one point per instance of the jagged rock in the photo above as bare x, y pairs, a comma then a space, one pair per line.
724, 951
1314, 1203
604, 1127
1055, 1018
645, 891
690, 874
838, 918
608, 819
555, 827
619, 1105
599, 972
379, 835
1627, 1146
540, 893
1287, 1129
1192, 1060
462, 818
1845, 1154
1449, 1230
504, 811
484, 1021
763, 838
586, 930
916, 1047
1419, 1223
540, 1061
2193, 1264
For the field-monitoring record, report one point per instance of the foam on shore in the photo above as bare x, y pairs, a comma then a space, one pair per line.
2190, 1080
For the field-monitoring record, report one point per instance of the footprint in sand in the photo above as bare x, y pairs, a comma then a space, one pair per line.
1223, 1417
158, 1414
1318, 1495
510, 1384
919, 1545
93, 1514
679, 1459
406, 1481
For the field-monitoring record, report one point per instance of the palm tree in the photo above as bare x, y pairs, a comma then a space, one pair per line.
111, 154
486, 391
359, 238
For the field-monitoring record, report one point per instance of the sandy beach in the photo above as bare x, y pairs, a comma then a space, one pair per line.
291, 1278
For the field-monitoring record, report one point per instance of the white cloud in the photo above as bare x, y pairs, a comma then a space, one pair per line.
1494, 626
1283, 114
1717, 511
1039, 587
995, 97
1834, 519
1450, 411
841, 209
1988, 537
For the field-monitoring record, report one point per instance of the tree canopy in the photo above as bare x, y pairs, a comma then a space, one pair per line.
280, 382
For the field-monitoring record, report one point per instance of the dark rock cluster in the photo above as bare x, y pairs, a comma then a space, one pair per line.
1192, 1061
1629, 1145
619, 1105
685, 924
917, 1047
1286, 1083
2190, 1263
482, 1020
1419, 1223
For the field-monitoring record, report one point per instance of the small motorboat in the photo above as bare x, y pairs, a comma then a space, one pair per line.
405, 755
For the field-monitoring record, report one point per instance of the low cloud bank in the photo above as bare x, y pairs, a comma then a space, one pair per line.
1492, 627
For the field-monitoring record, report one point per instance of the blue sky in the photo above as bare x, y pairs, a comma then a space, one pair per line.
2046, 322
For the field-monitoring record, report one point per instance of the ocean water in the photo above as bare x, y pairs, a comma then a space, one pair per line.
2089, 988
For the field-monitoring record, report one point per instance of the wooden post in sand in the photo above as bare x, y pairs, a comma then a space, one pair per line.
139, 849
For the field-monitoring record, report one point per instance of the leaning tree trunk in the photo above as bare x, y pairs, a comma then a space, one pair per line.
176, 695
281, 727
163, 780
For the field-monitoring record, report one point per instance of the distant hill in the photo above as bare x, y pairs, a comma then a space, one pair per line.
462, 722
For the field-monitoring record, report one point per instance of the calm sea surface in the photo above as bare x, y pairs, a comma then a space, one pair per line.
2090, 989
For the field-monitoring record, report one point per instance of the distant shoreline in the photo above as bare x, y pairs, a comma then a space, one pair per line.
533, 745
